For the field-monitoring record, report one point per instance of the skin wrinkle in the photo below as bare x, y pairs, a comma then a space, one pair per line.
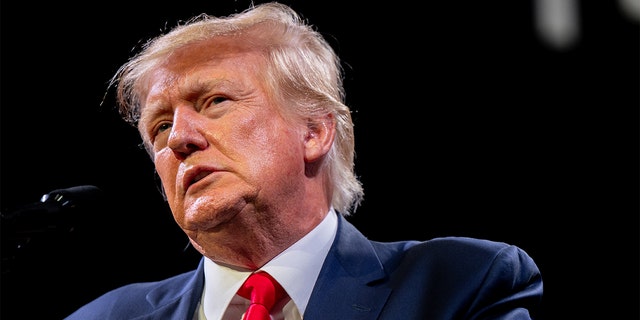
250, 183
254, 145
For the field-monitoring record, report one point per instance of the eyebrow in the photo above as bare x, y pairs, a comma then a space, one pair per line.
188, 91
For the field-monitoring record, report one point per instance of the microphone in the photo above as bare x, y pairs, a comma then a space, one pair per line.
54, 211
35, 230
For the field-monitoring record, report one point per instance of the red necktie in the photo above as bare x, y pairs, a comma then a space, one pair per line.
263, 291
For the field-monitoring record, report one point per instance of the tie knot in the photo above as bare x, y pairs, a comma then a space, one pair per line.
262, 289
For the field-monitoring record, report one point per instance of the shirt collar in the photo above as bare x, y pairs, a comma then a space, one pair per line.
296, 269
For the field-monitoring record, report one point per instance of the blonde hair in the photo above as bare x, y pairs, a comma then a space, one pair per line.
303, 70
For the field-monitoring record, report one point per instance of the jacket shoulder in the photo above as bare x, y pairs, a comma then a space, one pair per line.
458, 250
141, 298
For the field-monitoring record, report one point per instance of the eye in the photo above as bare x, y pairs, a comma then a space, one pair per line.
163, 127
218, 100
159, 134
216, 106
160, 128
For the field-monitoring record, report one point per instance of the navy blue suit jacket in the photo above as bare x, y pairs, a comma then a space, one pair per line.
442, 278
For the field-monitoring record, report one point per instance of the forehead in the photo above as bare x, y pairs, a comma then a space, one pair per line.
209, 52
220, 57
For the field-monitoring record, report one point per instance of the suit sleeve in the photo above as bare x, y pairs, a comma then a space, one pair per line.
511, 288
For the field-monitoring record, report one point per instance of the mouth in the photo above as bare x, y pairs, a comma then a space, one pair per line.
193, 177
200, 176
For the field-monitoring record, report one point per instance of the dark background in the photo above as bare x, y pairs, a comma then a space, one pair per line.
467, 123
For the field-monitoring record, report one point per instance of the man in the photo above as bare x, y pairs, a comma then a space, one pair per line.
245, 121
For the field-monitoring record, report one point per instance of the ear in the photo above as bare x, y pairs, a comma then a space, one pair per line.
319, 137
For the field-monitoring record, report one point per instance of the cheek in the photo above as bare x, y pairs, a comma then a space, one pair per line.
278, 148
166, 169
251, 136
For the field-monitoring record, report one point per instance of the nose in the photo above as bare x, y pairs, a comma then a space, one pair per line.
187, 132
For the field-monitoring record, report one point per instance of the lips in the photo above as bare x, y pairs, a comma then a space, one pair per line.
199, 176
193, 176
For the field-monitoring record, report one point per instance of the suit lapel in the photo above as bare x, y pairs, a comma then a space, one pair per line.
178, 299
348, 285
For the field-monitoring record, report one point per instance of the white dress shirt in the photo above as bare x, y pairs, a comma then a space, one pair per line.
296, 269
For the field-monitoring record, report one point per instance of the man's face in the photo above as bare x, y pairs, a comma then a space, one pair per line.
220, 144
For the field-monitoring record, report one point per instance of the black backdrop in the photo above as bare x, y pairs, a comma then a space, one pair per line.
466, 124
